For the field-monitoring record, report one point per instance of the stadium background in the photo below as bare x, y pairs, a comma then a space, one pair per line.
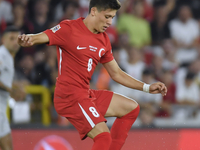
153, 40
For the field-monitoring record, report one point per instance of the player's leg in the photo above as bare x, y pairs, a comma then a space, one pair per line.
5, 131
120, 106
87, 119
99, 131
101, 137
6, 142
126, 111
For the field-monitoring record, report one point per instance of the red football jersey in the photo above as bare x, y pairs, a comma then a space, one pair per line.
78, 51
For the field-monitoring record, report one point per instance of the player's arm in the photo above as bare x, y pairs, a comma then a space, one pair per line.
123, 78
27, 40
5, 88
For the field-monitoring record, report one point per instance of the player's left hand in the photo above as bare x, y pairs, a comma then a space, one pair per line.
158, 88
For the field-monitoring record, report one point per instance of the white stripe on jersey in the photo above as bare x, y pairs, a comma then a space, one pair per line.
87, 117
60, 59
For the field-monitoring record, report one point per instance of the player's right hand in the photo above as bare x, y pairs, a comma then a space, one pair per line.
25, 40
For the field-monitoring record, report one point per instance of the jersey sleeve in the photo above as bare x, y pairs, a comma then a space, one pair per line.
59, 34
108, 56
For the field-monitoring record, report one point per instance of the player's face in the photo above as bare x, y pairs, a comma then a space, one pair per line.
10, 41
103, 19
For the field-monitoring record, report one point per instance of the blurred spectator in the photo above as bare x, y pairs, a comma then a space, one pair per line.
67, 9
37, 69
169, 63
157, 62
137, 28
193, 4
42, 71
84, 9
134, 64
6, 15
113, 35
181, 73
24, 70
185, 33
20, 20
170, 98
188, 97
188, 92
24, 24
124, 45
125, 6
169, 4
195, 67
23, 2
51, 60
159, 26
147, 118
148, 10
41, 19
70, 9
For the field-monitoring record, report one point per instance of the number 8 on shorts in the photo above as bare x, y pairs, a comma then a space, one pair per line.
94, 112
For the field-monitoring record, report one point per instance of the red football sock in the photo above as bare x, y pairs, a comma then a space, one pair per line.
102, 141
121, 127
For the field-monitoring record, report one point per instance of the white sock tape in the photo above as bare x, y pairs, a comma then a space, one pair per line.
146, 87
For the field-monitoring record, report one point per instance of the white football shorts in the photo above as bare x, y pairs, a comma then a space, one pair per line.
4, 124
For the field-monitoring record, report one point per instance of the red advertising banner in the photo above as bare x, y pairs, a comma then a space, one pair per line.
183, 139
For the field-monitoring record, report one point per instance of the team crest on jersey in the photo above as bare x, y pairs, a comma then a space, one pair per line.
56, 28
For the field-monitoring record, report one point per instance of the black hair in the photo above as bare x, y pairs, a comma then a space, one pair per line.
11, 29
18, 4
104, 4
147, 71
159, 3
190, 75
66, 4
135, 2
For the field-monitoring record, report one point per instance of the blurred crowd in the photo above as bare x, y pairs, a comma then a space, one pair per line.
152, 40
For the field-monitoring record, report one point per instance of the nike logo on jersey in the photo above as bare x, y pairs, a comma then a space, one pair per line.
79, 48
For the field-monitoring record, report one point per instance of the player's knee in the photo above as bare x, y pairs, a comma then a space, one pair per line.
134, 113
133, 105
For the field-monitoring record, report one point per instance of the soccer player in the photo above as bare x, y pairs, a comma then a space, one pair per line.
81, 44
8, 49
